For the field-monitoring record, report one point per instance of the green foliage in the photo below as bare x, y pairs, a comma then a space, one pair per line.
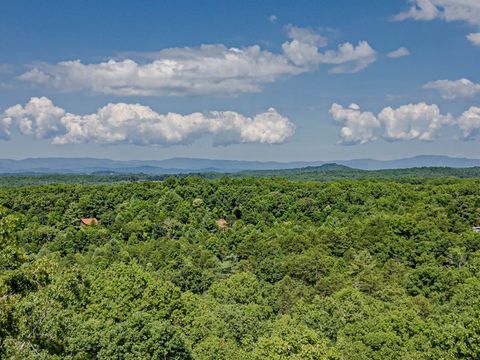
351, 269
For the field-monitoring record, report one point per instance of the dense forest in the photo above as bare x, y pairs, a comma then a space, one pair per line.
247, 268
330, 172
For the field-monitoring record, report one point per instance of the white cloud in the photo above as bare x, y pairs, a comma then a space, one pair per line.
39, 117
272, 18
203, 70
349, 58
469, 122
400, 52
414, 121
448, 10
420, 10
474, 38
302, 49
209, 69
359, 127
5, 124
452, 89
306, 35
137, 124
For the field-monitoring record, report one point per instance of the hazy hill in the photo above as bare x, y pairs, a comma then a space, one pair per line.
185, 165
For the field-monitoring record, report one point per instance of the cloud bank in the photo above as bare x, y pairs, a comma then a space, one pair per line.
408, 122
137, 124
453, 89
204, 70
448, 10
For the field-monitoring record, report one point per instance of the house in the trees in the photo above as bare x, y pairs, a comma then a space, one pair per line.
222, 224
476, 229
88, 221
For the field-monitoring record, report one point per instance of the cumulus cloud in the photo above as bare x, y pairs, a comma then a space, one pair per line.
359, 127
203, 70
39, 117
474, 38
400, 52
137, 124
453, 89
448, 10
469, 122
302, 49
414, 121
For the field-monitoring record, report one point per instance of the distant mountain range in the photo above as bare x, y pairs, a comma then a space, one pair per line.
187, 165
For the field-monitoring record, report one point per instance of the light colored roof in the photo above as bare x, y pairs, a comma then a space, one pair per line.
222, 224
89, 221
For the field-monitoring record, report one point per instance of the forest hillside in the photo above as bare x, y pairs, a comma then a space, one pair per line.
247, 268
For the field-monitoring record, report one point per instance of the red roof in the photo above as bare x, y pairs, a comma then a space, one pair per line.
89, 221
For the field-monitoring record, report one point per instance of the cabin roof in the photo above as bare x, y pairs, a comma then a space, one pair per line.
222, 224
89, 221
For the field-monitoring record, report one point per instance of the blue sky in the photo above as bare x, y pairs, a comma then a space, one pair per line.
257, 80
